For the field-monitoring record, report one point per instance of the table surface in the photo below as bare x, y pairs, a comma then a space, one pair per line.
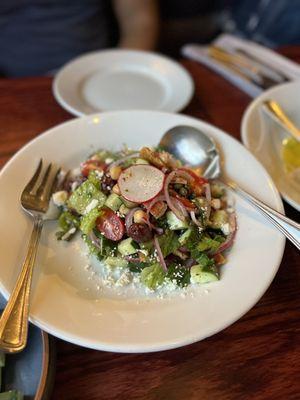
257, 357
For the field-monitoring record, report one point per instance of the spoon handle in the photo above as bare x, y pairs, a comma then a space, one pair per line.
288, 227
276, 112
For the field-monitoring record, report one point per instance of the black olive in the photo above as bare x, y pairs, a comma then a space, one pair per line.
139, 232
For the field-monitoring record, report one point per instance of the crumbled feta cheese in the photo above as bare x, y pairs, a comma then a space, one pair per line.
68, 234
60, 198
98, 173
108, 160
124, 279
225, 228
91, 206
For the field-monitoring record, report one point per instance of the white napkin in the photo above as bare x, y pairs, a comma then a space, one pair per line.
268, 57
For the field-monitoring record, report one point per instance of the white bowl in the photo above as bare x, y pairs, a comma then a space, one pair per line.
258, 135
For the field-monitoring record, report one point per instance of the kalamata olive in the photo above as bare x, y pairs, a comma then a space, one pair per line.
139, 232
107, 184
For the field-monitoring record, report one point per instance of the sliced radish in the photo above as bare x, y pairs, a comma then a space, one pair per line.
140, 183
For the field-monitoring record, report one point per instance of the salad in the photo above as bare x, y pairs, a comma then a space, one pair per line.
146, 213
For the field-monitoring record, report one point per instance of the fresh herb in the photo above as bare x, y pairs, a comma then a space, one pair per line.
179, 274
137, 266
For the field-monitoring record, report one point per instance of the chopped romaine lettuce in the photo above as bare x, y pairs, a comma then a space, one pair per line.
94, 178
82, 197
88, 221
152, 276
68, 224
168, 242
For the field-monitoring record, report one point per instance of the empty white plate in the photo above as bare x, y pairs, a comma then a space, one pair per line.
122, 80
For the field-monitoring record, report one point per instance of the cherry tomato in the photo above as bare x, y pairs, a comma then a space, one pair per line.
198, 179
92, 165
186, 202
110, 224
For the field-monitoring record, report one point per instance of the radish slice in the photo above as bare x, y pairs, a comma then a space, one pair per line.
140, 183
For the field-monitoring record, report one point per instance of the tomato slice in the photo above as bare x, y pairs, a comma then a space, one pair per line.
92, 165
186, 202
110, 224
200, 180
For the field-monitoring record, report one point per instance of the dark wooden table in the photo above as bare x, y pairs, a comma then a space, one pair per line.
258, 357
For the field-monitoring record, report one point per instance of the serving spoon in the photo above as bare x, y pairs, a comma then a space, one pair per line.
195, 148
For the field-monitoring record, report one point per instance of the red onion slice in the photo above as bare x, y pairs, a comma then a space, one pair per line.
129, 217
95, 240
208, 199
179, 210
160, 255
194, 219
230, 238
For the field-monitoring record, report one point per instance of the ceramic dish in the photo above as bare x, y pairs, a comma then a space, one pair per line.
66, 300
30, 371
259, 135
122, 79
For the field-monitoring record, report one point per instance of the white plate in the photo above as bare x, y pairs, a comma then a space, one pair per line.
256, 135
122, 80
65, 300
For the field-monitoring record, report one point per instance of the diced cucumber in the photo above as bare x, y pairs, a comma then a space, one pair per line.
84, 195
185, 236
113, 201
127, 247
88, 220
116, 262
218, 219
11, 395
128, 204
200, 274
174, 222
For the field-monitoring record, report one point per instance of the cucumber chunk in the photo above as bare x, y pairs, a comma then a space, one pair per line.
201, 274
113, 202
84, 195
175, 223
127, 247
185, 236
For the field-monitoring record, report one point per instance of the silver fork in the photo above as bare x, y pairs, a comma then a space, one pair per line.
35, 200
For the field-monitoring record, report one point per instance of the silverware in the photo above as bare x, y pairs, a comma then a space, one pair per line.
274, 110
193, 147
241, 67
35, 200
272, 70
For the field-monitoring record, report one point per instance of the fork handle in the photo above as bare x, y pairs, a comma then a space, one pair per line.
14, 319
288, 227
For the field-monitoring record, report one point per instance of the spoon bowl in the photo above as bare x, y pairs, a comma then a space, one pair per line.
195, 149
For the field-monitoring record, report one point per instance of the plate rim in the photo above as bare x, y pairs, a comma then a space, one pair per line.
244, 135
74, 111
163, 345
